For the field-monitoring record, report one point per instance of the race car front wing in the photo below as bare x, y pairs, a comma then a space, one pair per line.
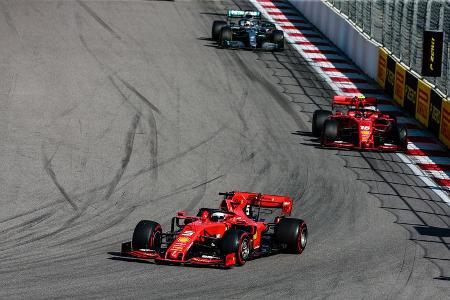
126, 250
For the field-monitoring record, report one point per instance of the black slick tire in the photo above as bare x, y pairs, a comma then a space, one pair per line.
146, 235
318, 120
237, 242
216, 27
402, 136
330, 130
293, 233
225, 36
278, 39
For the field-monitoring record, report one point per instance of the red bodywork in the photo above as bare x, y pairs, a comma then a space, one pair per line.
362, 128
203, 228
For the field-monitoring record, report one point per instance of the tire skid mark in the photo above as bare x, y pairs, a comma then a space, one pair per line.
51, 173
132, 177
20, 227
125, 42
199, 196
29, 212
85, 45
98, 19
239, 110
124, 97
266, 85
110, 187
64, 226
139, 95
208, 181
129, 141
68, 111
116, 219
154, 145
112, 75
153, 140
173, 158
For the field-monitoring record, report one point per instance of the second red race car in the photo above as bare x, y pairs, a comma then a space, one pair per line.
227, 236
356, 123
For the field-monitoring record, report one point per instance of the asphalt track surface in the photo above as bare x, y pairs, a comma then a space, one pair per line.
114, 111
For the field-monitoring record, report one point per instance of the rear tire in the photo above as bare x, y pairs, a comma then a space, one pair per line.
278, 39
293, 233
146, 235
225, 36
216, 27
330, 131
318, 120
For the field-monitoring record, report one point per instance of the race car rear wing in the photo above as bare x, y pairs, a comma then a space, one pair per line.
243, 14
260, 200
357, 101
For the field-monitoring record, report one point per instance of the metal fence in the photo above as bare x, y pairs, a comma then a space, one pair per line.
399, 24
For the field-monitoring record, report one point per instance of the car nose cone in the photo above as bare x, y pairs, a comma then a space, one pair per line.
252, 38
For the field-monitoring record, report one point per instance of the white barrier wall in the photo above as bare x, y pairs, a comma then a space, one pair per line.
362, 51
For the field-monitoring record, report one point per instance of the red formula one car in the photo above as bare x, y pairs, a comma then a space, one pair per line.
230, 235
356, 123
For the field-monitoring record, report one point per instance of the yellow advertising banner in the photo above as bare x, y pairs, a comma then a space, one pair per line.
423, 102
382, 67
444, 133
399, 85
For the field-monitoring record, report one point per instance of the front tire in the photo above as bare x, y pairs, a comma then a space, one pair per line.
278, 39
237, 242
216, 27
402, 136
330, 131
225, 36
318, 120
146, 235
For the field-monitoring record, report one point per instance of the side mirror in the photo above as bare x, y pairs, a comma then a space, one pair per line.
287, 208
181, 213
205, 216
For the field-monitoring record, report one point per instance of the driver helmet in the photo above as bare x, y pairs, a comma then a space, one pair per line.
217, 216
358, 102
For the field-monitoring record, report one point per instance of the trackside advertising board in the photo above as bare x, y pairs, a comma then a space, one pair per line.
415, 95
399, 86
444, 133
390, 76
434, 119
433, 42
423, 102
382, 67
410, 95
